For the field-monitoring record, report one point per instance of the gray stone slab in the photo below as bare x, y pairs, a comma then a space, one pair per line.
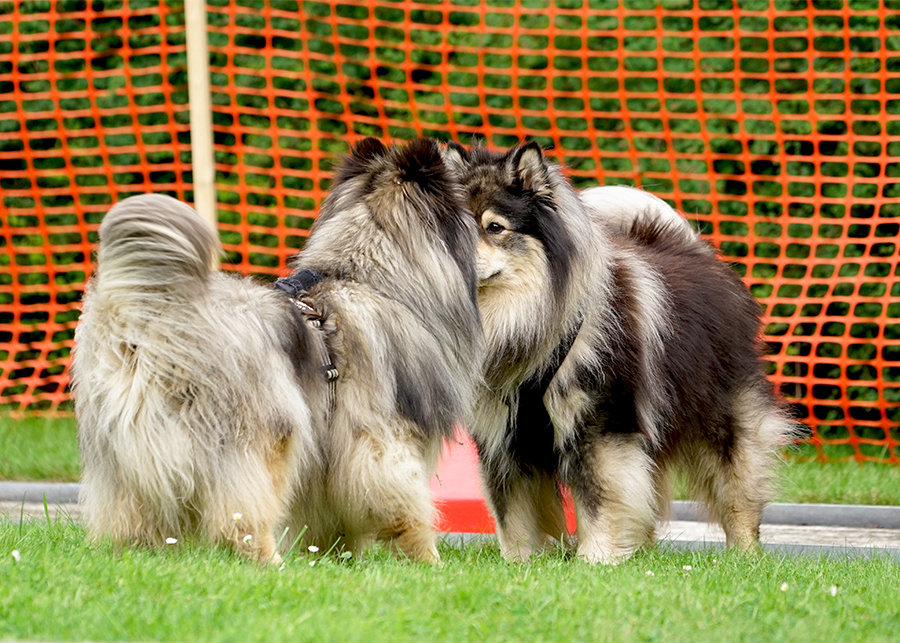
56, 492
813, 551
808, 540
863, 516
27, 511
791, 539
788, 540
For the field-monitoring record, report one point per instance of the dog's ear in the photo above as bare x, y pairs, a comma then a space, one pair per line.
455, 156
459, 149
369, 148
361, 155
530, 168
421, 163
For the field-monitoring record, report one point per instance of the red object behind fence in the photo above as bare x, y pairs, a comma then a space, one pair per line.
458, 495
772, 124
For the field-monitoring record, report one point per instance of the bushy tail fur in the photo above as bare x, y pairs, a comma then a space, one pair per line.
155, 244
155, 256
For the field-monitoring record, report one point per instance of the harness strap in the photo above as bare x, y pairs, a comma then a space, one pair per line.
299, 283
295, 287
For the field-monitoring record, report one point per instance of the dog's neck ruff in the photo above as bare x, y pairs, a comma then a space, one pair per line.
296, 287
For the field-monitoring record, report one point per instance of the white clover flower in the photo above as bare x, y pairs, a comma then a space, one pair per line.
237, 516
171, 541
313, 548
687, 568
784, 587
834, 590
248, 538
17, 556
649, 572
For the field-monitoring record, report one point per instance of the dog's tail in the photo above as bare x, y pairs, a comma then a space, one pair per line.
153, 245
623, 210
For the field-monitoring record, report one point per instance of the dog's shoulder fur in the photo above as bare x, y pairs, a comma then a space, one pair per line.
394, 243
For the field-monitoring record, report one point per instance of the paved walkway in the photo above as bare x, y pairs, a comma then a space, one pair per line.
832, 530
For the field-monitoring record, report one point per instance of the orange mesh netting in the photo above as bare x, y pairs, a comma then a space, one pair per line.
771, 123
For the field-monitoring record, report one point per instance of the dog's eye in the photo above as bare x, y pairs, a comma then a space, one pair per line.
494, 228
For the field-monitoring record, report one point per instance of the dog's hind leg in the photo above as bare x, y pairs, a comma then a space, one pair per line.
245, 503
250, 532
124, 520
413, 539
517, 523
726, 483
533, 519
662, 482
527, 507
615, 497
551, 516
736, 480
113, 509
384, 491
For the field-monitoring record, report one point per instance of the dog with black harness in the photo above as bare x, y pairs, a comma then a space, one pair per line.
212, 405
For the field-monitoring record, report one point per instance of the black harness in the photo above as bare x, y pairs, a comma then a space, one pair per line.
296, 287
299, 283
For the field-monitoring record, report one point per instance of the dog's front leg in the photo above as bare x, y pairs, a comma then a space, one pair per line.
527, 509
615, 497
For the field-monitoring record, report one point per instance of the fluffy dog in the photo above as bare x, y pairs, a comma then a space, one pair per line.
618, 347
395, 247
204, 402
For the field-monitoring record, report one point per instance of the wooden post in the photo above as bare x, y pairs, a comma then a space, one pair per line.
200, 107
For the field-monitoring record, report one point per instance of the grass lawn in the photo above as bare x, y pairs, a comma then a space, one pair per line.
850, 483
39, 448
46, 449
58, 588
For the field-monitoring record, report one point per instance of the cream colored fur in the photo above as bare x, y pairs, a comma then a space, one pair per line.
175, 440
198, 398
619, 207
398, 306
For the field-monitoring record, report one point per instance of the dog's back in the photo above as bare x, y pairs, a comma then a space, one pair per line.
187, 384
709, 327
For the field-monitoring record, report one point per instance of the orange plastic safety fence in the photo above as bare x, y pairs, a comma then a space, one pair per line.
773, 124
92, 109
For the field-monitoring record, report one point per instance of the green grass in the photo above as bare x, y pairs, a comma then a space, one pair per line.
38, 448
61, 589
849, 483
41, 448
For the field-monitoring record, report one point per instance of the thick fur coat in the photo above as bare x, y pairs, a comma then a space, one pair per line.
194, 390
201, 398
395, 245
619, 347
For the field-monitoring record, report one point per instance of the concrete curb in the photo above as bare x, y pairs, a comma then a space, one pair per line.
56, 492
688, 544
859, 516
808, 550
829, 531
